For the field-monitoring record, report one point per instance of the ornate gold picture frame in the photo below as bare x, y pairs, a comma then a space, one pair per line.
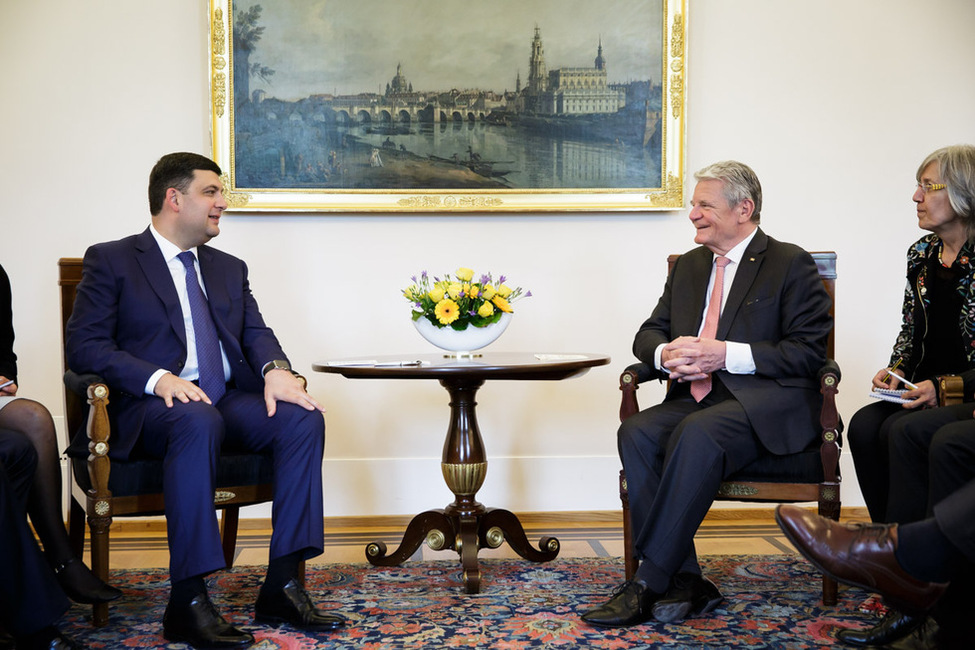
438, 106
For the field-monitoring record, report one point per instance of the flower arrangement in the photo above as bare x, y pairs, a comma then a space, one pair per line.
460, 301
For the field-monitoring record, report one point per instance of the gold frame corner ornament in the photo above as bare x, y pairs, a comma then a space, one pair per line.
672, 126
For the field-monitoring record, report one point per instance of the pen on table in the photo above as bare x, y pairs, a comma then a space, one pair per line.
904, 381
400, 363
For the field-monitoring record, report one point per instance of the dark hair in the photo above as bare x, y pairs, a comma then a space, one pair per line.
175, 170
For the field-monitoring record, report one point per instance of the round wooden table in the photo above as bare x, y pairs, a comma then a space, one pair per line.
465, 525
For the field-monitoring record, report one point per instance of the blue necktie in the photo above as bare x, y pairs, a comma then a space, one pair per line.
208, 356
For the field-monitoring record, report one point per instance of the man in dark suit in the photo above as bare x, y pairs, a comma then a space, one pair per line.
172, 327
743, 385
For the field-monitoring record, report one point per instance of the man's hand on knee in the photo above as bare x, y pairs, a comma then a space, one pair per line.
170, 386
280, 384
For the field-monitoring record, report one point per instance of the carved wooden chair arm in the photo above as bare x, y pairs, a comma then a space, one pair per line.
829, 420
78, 384
951, 390
630, 380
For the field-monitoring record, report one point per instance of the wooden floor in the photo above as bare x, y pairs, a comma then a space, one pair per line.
142, 544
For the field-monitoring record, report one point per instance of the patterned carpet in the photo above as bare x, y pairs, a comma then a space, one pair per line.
771, 602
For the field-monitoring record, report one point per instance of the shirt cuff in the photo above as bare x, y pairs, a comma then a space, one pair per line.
657, 357
738, 358
153, 380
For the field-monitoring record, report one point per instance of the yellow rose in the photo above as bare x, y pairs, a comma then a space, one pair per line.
485, 310
436, 293
472, 290
464, 274
446, 311
502, 304
488, 292
454, 290
504, 291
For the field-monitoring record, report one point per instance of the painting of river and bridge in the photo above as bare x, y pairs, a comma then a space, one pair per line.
388, 105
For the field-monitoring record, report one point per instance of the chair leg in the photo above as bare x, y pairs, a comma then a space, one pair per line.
829, 591
629, 555
228, 533
829, 507
99, 525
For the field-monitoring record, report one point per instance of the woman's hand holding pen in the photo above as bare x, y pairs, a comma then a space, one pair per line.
923, 394
884, 379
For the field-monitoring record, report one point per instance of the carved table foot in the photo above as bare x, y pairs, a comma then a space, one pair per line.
499, 525
432, 526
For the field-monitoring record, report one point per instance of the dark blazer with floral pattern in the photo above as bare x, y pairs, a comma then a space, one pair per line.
909, 347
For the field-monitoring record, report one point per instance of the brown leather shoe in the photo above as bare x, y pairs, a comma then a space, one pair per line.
861, 555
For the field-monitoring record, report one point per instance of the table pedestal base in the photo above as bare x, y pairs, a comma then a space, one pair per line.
465, 525
466, 533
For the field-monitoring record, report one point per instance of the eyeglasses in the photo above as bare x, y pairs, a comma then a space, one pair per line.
930, 187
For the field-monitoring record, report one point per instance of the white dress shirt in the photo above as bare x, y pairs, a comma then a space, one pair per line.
738, 356
191, 369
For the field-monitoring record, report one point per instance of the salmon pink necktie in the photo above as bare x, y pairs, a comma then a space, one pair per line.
701, 387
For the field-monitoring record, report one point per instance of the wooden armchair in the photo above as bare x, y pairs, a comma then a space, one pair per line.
810, 475
103, 488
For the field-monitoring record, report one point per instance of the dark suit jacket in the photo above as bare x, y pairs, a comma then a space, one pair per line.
8, 360
127, 323
778, 305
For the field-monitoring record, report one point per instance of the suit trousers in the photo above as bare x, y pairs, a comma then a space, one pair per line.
867, 438
675, 456
30, 596
189, 437
932, 454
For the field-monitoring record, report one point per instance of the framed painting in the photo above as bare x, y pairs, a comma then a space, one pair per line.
449, 106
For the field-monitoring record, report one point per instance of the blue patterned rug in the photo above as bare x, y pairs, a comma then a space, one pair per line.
771, 602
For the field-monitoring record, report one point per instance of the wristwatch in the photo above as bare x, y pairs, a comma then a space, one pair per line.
277, 363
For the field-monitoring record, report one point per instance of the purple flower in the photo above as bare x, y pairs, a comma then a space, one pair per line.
501, 280
528, 295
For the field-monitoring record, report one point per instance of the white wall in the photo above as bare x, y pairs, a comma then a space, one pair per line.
834, 103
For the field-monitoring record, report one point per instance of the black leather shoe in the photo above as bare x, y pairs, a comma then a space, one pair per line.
293, 605
689, 593
631, 604
83, 586
893, 626
201, 625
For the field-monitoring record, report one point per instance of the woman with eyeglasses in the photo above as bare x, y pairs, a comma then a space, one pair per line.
937, 338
